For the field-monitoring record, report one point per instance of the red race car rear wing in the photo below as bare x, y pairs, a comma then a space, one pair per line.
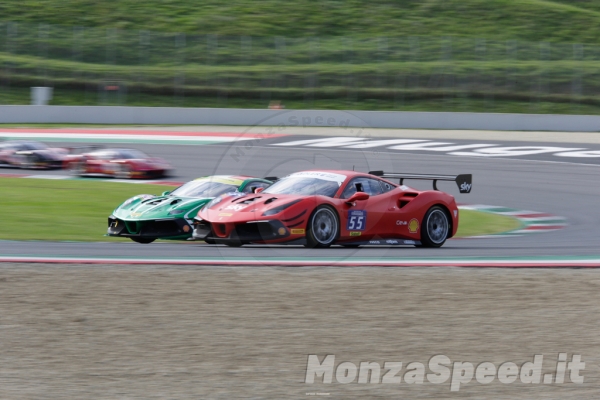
463, 181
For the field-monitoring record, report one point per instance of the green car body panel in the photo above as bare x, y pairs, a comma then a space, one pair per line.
145, 217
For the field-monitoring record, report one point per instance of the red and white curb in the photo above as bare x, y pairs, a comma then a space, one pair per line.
130, 136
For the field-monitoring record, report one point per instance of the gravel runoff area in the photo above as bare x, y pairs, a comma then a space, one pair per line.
147, 332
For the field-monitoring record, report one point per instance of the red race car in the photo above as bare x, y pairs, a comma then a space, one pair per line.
119, 163
30, 154
321, 208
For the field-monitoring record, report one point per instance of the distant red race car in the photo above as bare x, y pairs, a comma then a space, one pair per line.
119, 163
321, 208
30, 154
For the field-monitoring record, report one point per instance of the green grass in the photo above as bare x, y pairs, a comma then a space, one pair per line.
476, 223
38, 209
69, 210
533, 20
416, 73
426, 55
452, 102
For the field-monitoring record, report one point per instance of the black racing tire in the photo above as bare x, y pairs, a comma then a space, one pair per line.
435, 227
123, 171
323, 227
142, 240
234, 244
209, 241
31, 161
78, 168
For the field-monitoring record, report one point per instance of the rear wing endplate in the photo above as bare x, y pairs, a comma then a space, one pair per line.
463, 181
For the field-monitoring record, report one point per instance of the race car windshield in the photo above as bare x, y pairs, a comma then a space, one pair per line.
133, 154
32, 146
104, 154
306, 186
203, 188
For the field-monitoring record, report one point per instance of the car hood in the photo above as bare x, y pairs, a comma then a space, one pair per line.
250, 206
145, 207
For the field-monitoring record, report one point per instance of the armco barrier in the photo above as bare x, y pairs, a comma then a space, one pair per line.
250, 117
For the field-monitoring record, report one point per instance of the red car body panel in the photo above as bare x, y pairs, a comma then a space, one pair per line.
395, 214
125, 163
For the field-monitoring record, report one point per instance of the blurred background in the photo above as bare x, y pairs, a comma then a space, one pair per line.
469, 55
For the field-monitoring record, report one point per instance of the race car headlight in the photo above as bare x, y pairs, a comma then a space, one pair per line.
280, 208
176, 212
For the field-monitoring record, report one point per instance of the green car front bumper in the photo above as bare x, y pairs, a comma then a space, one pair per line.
174, 228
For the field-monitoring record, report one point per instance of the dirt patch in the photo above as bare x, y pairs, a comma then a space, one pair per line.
114, 332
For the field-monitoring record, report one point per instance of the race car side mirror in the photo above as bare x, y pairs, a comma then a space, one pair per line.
357, 197
258, 190
165, 193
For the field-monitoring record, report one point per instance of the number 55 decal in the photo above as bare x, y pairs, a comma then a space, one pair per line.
357, 220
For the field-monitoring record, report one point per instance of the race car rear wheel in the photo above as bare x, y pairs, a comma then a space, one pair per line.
142, 240
323, 227
435, 227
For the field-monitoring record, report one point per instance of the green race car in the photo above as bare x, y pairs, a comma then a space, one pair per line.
145, 217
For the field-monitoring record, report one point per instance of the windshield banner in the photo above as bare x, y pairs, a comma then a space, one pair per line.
327, 176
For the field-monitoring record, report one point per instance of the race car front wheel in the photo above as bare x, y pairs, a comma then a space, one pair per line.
323, 227
31, 161
435, 227
78, 168
123, 171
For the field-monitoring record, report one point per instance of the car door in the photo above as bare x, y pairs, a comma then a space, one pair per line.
367, 218
97, 160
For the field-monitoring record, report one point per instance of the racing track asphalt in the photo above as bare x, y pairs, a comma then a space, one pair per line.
566, 189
